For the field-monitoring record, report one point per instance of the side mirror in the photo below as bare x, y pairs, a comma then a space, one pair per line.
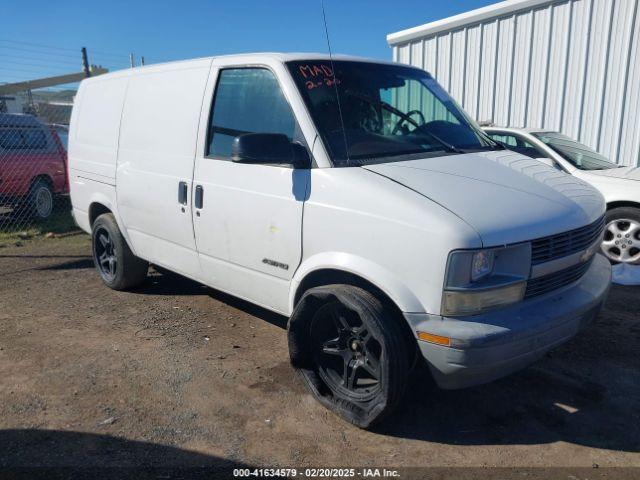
269, 148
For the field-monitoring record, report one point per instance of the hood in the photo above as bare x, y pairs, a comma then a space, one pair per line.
630, 173
504, 196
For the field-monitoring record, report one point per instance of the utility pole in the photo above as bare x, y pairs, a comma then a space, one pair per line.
85, 62
131, 60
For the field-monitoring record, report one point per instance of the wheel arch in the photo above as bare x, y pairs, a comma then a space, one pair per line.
622, 203
100, 204
331, 268
41, 176
96, 209
399, 339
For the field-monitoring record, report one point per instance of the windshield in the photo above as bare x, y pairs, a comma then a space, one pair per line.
579, 155
389, 112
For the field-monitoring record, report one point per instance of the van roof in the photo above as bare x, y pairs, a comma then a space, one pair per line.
249, 57
293, 56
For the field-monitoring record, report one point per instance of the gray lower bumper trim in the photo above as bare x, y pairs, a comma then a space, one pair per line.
489, 346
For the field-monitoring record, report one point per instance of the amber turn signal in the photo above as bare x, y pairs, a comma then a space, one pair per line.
431, 338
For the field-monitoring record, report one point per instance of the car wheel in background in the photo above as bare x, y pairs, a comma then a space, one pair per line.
118, 267
621, 242
351, 351
40, 200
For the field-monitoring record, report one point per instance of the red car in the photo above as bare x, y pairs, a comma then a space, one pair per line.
33, 164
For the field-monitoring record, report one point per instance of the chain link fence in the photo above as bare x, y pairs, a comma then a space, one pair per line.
38, 82
34, 189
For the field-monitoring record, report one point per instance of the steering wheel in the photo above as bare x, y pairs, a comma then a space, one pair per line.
404, 117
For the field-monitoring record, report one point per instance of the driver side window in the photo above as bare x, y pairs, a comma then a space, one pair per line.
247, 100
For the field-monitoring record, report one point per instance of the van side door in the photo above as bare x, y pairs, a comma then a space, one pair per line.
157, 144
248, 217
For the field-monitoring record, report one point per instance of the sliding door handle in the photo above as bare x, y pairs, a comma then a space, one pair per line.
182, 193
199, 197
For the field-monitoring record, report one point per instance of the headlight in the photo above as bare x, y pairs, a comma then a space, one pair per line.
481, 264
461, 303
486, 279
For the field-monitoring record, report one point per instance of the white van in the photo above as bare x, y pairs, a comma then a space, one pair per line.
354, 197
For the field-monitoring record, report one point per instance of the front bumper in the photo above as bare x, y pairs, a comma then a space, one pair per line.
495, 344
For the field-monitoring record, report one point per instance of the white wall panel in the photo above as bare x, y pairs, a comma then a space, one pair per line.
559, 44
576, 67
487, 69
537, 91
458, 64
521, 66
596, 74
629, 129
568, 65
505, 56
617, 61
430, 55
443, 62
472, 71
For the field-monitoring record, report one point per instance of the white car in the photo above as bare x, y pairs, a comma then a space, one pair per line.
350, 195
618, 184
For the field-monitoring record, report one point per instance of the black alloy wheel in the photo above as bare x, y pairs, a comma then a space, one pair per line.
105, 254
346, 353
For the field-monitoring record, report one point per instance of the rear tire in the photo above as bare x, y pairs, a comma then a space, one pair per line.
351, 351
118, 267
40, 200
622, 236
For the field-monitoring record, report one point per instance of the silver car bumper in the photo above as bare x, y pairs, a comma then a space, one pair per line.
495, 344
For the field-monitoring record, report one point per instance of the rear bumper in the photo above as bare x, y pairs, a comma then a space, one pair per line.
6, 199
495, 344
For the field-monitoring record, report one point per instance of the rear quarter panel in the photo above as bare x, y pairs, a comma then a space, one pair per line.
93, 144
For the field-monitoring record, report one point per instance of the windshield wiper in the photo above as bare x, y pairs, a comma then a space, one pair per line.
380, 103
448, 146
493, 144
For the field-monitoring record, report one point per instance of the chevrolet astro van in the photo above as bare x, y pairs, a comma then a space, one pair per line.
353, 196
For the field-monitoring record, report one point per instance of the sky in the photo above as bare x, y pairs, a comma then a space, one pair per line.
42, 38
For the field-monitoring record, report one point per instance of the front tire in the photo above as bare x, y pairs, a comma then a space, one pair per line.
621, 242
118, 267
351, 351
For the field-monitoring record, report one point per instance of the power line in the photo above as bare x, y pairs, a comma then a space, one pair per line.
21, 57
96, 57
97, 61
50, 47
38, 66
37, 45
28, 50
37, 70
108, 63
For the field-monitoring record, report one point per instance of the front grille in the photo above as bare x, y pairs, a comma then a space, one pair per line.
555, 280
557, 246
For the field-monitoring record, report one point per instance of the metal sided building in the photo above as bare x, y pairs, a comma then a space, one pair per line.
567, 65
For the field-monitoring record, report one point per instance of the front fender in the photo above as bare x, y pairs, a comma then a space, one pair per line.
382, 278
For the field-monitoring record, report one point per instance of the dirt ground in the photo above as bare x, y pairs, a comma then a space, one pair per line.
176, 374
